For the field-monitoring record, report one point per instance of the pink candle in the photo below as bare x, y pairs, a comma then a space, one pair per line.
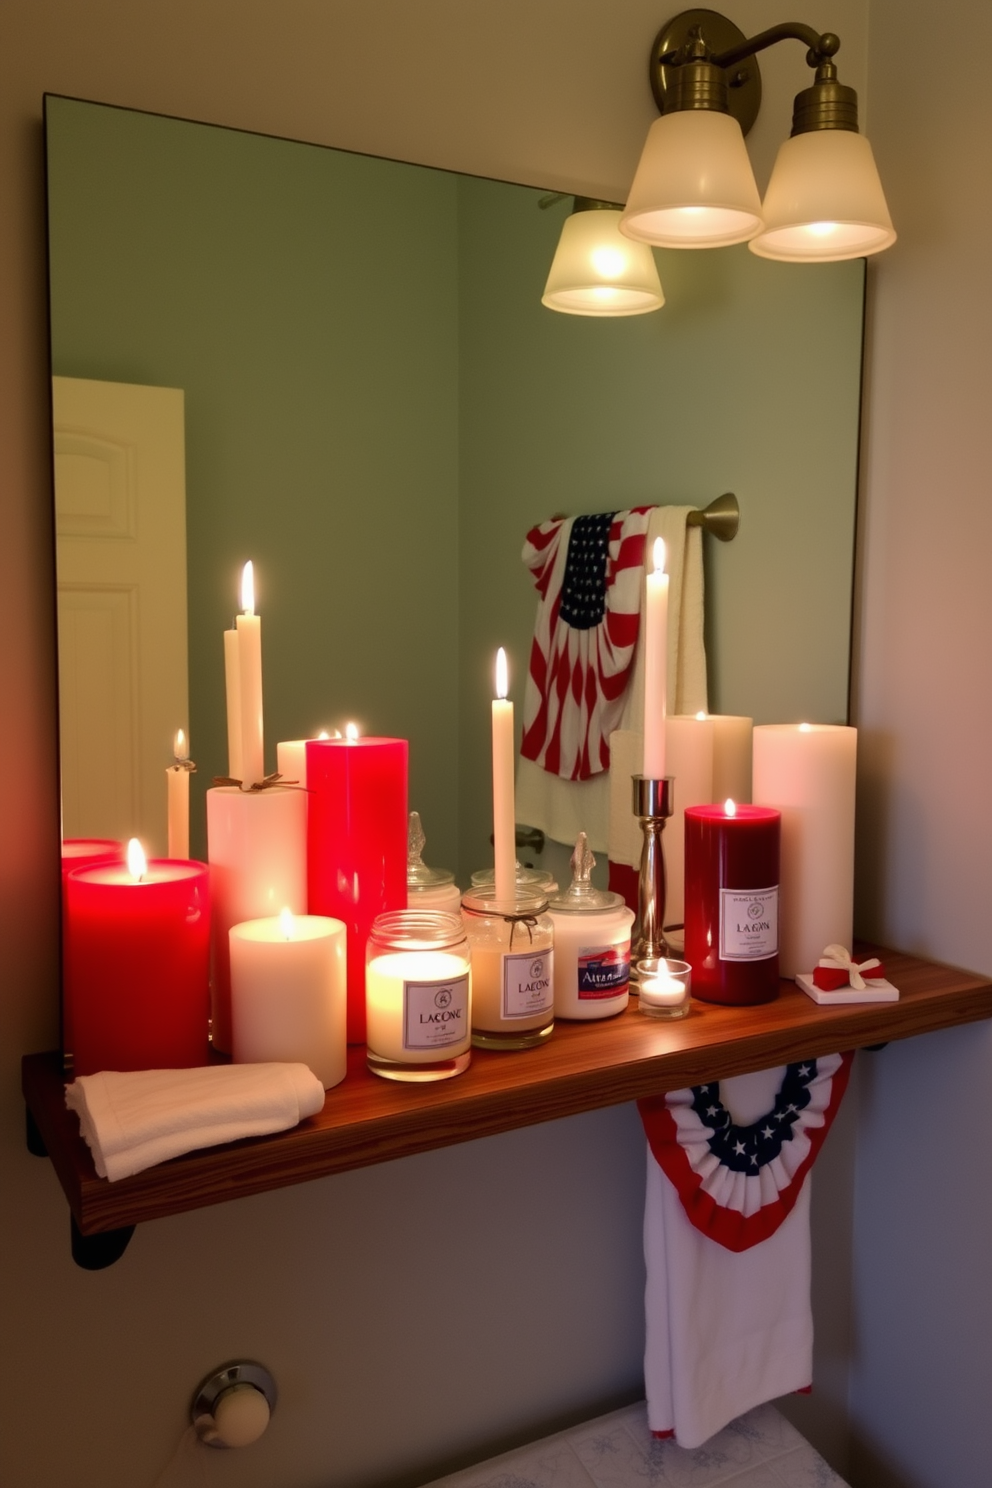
356, 843
504, 809
137, 954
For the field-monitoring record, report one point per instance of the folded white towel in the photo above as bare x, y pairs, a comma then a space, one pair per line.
133, 1119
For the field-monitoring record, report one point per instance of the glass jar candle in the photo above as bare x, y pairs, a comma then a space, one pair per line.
529, 881
427, 888
418, 996
512, 969
592, 945
663, 986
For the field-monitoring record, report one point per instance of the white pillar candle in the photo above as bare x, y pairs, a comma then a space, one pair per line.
655, 665
731, 757
257, 848
406, 1023
807, 771
504, 813
249, 628
291, 758
689, 740
177, 783
289, 978
291, 761
232, 679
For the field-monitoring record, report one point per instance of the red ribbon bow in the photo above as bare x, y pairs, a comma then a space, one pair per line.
837, 969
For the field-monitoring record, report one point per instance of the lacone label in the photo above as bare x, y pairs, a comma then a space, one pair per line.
435, 1014
603, 971
527, 989
748, 924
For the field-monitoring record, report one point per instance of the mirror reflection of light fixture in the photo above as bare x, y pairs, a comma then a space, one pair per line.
595, 271
694, 187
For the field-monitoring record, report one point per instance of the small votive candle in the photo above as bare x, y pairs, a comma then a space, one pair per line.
418, 996
663, 987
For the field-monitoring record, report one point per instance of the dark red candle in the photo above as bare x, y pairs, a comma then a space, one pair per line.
356, 844
731, 902
136, 965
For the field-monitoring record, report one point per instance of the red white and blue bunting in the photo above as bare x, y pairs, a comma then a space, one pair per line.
738, 1183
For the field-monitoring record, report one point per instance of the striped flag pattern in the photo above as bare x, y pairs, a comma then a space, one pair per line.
588, 574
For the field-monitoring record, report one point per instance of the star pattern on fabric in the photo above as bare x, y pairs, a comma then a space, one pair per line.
744, 1148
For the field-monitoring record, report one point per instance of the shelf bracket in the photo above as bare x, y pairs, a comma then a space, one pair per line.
97, 1252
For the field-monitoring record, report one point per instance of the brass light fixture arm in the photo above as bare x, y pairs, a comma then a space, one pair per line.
822, 45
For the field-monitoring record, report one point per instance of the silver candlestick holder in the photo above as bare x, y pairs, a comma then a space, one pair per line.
653, 805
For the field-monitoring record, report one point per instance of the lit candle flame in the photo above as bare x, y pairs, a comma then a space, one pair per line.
502, 686
287, 924
660, 555
351, 732
137, 863
701, 717
730, 807
324, 734
804, 728
180, 748
248, 588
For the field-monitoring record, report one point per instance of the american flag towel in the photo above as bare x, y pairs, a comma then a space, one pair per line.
727, 1242
587, 571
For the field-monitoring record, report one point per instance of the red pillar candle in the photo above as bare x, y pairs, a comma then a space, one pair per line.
82, 852
731, 902
356, 843
137, 956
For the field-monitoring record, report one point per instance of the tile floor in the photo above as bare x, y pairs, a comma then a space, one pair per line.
759, 1450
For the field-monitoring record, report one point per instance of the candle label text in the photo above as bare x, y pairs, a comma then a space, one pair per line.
527, 988
435, 1014
748, 924
603, 971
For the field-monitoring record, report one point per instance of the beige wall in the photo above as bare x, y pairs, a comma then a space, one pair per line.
922, 1374
330, 1284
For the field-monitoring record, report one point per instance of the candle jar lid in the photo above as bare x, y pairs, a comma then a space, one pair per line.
527, 903
418, 875
581, 897
416, 930
529, 881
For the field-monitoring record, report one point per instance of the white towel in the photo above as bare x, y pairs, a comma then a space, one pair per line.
136, 1118
728, 1319
564, 808
724, 1331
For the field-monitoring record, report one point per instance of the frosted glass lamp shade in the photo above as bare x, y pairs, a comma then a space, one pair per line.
597, 272
824, 201
694, 186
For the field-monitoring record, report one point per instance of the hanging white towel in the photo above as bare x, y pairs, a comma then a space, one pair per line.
727, 1243
136, 1118
563, 808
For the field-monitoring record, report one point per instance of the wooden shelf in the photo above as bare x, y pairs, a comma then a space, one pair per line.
583, 1066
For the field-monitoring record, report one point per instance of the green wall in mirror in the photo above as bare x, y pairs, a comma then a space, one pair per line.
378, 407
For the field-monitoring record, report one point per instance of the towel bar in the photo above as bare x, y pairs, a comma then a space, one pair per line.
722, 518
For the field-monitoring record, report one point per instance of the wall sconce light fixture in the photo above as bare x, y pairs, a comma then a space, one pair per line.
596, 271
694, 187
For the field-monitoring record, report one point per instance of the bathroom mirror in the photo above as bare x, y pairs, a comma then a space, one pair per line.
376, 407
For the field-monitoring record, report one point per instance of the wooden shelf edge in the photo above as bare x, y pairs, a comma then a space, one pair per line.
584, 1067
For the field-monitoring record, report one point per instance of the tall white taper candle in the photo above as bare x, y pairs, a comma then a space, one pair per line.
232, 679
249, 627
177, 780
504, 824
655, 664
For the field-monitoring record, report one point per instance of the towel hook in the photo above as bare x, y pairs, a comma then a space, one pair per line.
722, 518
